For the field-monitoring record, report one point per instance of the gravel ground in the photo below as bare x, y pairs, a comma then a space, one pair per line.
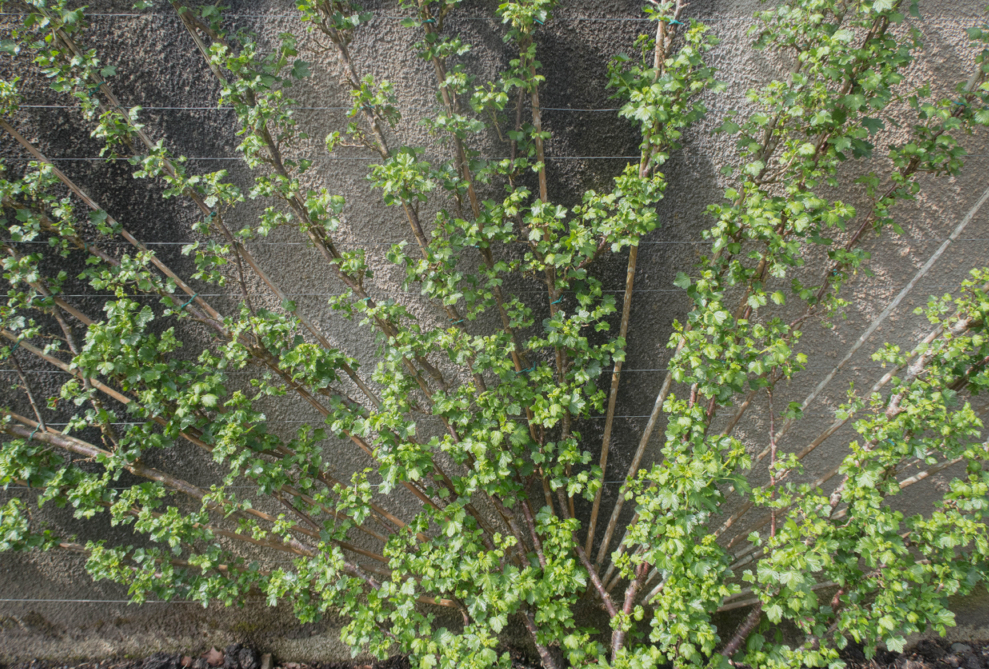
935, 654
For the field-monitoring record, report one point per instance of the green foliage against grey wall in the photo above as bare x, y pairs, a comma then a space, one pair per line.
478, 420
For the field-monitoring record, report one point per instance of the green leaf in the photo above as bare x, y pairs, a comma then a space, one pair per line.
844, 35
841, 143
729, 127
497, 624
854, 101
300, 69
755, 168
806, 149
873, 124
756, 300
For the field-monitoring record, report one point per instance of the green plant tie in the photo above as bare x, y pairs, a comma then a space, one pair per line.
31, 436
455, 322
558, 301
188, 302
674, 22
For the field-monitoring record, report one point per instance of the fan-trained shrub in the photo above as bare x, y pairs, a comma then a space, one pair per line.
474, 414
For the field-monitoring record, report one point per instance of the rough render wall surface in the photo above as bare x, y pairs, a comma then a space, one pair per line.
49, 608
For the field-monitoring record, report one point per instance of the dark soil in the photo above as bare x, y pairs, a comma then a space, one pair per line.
928, 654
234, 656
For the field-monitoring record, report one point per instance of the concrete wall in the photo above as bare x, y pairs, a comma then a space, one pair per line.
49, 608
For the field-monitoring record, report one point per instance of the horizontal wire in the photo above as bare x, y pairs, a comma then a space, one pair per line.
539, 291
511, 292
124, 487
342, 158
454, 18
229, 487
392, 18
100, 601
640, 369
111, 242
346, 158
222, 108
280, 421
855, 368
357, 244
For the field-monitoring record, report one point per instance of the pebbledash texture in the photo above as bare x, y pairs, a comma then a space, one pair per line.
630, 336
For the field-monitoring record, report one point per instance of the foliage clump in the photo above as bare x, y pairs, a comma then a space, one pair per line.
477, 417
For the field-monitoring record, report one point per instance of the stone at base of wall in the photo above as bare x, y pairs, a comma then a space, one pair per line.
50, 631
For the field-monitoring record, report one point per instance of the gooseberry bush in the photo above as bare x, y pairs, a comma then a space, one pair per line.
466, 521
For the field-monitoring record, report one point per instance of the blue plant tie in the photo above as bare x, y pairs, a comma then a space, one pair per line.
365, 299
674, 22
455, 322
188, 302
538, 21
558, 301
35, 432
428, 21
